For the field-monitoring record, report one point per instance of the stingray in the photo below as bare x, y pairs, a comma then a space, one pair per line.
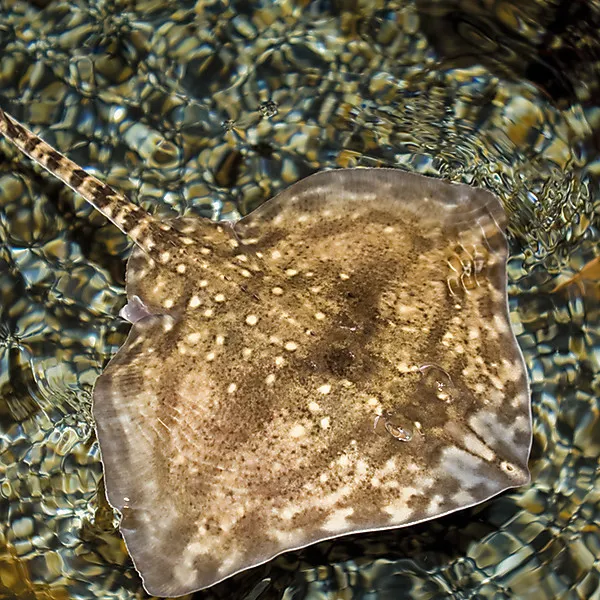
339, 361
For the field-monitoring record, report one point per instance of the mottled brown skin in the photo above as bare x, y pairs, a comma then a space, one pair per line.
247, 414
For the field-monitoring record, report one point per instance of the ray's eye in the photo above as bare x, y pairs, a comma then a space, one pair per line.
394, 425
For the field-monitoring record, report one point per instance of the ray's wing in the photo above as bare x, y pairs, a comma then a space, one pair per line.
372, 381
136, 442
422, 260
421, 267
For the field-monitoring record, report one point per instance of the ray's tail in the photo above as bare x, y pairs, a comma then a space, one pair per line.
145, 231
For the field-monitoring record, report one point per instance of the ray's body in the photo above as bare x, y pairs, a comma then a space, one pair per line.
340, 360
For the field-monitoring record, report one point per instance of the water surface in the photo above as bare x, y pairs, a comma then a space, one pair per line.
211, 108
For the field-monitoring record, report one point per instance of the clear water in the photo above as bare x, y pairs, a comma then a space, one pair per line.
211, 108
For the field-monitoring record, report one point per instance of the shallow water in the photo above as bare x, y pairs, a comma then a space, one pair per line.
213, 107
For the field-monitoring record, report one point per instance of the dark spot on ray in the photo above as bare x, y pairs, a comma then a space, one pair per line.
15, 130
31, 144
78, 176
53, 160
130, 219
102, 194
340, 360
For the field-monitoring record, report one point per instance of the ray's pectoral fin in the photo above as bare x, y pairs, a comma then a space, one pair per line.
152, 449
124, 397
134, 437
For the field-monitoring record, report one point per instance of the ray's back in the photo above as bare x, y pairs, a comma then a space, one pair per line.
340, 361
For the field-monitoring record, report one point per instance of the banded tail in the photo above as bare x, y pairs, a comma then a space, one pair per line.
145, 231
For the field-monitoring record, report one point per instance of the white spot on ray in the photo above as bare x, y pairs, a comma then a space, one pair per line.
337, 521
399, 510
297, 431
